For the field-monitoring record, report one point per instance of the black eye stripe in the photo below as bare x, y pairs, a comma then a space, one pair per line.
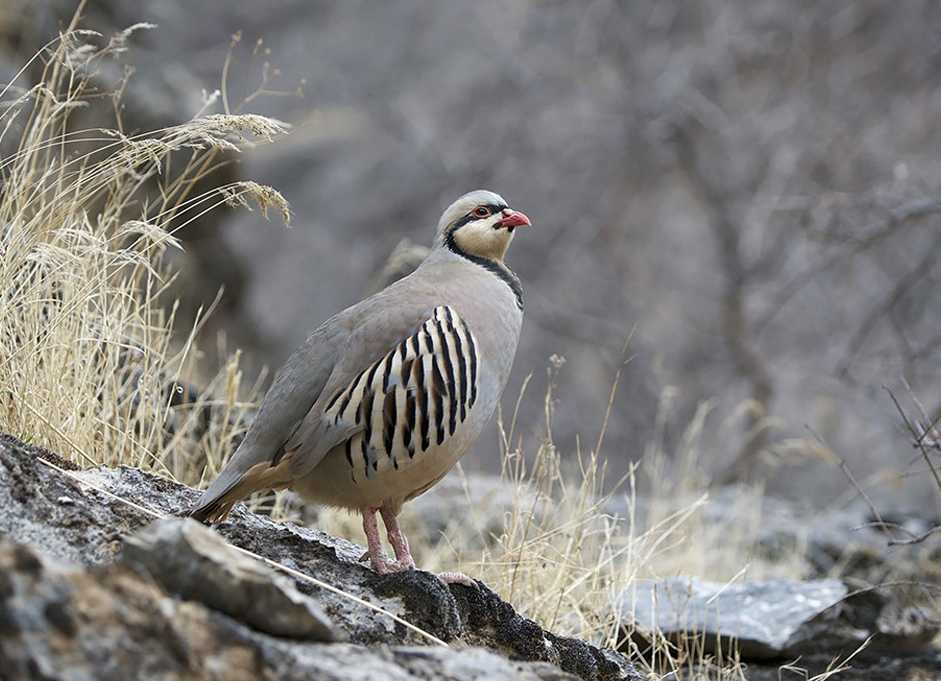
470, 217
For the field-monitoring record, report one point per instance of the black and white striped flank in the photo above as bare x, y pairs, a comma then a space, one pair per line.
412, 399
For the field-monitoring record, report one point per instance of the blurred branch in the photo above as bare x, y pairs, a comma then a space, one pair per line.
885, 308
923, 446
895, 218
917, 539
591, 329
735, 327
767, 265
919, 437
874, 235
880, 522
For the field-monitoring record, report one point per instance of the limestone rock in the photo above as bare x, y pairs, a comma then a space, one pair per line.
775, 618
111, 623
195, 563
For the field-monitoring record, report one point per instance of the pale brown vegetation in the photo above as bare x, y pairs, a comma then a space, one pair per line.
91, 362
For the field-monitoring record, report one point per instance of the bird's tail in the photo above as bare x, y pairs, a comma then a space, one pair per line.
214, 505
233, 485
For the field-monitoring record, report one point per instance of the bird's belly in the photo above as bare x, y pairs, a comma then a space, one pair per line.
372, 483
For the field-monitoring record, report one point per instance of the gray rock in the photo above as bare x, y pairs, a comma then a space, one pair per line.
195, 563
889, 668
477, 664
775, 618
90, 533
112, 623
764, 619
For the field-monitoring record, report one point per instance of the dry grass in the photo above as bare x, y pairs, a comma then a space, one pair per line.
92, 367
90, 364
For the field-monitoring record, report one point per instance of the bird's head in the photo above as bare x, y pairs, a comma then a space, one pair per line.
479, 224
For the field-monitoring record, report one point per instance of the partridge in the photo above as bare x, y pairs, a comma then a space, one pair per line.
385, 397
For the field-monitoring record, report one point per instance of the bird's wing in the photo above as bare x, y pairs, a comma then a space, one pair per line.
295, 389
289, 434
397, 406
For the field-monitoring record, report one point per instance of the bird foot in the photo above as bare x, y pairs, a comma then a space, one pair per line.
380, 564
388, 567
384, 566
456, 578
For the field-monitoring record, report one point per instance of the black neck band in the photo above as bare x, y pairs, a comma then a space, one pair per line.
499, 269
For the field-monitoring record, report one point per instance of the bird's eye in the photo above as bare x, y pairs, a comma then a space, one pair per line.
482, 212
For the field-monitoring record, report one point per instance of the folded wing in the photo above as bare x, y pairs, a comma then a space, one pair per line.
413, 398
391, 411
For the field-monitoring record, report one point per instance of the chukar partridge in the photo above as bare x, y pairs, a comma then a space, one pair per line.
383, 398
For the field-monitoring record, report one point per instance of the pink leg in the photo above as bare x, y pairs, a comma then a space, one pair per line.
376, 556
403, 556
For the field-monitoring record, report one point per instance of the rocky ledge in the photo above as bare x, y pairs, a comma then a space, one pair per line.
100, 578
92, 587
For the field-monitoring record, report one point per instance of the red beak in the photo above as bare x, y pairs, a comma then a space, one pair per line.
514, 218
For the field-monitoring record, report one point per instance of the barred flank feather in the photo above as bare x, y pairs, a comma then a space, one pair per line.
423, 384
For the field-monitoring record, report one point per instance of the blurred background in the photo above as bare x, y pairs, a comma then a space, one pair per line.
746, 190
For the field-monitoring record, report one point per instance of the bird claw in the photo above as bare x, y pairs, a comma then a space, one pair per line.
388, 567
383, 566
